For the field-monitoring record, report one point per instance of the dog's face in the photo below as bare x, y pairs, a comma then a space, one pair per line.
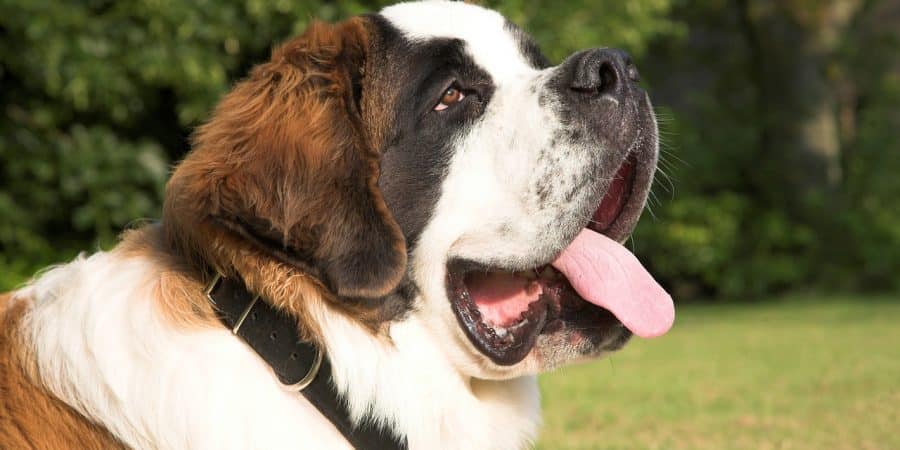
496, 162
505, 183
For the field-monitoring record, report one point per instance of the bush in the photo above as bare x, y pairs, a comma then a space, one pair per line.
99, 97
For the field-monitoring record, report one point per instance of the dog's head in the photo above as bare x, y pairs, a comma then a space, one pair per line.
427, 163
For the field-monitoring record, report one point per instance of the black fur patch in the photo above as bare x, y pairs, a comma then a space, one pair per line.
421, 142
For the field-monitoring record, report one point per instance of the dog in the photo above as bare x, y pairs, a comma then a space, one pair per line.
415, 204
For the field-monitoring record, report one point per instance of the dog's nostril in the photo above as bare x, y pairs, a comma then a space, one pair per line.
602, 72
608, 78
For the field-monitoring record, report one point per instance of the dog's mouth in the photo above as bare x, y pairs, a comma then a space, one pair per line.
503, 312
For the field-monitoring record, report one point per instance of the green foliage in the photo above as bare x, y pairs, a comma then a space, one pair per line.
874, 187
99, 97
562, 30
731, 229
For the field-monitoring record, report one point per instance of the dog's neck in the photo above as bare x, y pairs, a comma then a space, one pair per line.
158, 382
397, 373
411, 384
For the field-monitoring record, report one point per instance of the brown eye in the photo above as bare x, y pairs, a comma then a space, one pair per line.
451, 96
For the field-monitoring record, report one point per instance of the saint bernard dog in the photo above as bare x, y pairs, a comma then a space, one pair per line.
419, 193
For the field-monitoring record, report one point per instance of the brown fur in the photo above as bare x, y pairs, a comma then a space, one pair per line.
31, 418
179, 287
281, 186
5, 302
279, 190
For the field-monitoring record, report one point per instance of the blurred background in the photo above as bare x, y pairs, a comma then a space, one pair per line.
775, 219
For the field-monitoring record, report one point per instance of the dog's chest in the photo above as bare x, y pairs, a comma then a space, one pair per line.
103, 347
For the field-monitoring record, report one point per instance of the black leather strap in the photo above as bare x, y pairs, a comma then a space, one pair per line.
275, 338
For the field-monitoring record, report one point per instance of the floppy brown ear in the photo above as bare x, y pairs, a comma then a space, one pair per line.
286, 164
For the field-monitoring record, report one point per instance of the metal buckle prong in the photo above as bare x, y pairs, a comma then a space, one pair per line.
237, 326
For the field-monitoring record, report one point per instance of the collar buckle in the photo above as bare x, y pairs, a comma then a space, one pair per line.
235, 329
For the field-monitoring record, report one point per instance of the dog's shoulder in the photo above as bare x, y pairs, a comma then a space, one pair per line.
30, 417
41, 326
118, 336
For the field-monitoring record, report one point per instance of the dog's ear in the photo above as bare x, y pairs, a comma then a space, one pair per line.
286, 163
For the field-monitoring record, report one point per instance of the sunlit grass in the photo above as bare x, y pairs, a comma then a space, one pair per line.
790, 374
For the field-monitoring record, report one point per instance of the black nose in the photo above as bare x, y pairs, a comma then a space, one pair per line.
604, 71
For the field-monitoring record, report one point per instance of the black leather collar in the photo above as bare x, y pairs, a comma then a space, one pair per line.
299, 365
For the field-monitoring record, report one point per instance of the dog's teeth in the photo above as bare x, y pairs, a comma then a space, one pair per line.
502, 333
518, 325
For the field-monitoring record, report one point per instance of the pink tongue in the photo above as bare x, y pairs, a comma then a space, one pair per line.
604, 273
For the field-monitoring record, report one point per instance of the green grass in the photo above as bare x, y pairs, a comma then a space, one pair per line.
789, 374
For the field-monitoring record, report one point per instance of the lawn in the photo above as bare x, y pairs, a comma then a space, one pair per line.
799, 373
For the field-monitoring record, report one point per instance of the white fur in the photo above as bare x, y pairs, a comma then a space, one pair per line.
103, 348
483, 30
